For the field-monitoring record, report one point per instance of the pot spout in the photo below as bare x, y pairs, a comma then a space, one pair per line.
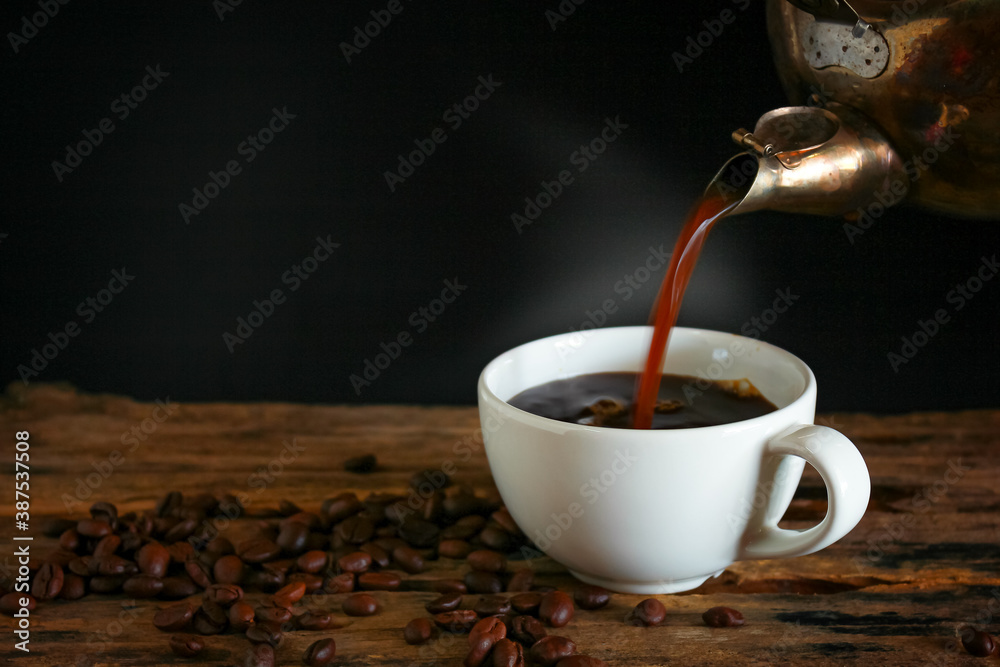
820, 161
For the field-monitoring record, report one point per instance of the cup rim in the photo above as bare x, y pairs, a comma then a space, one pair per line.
807, 393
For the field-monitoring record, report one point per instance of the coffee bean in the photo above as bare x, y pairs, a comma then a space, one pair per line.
107, 584
175, 588
521, 581
320, 652
61, 557
173, 618
485, 560
153, 559
56, 527
198, 572
506, 521
104, 511
288, 508
527, 603
556, 609
356, 562
380, 556
108, 545
48, 582
418, 631
360, 604
976, 642
221, 546
445, 586
93, 528
185, 645
340, 507
272, 614
11, 603
312, 582
264, 633
647, 613
224, 595
74, 587
361, 464
581, 661
310, 520
355, 530
464, 528
419, 533
508, 654
446, 602
492, 605
263, 654
722, 617
289, 594
550, 650
70, 539
491, 629
229, 570
379, 581
463, 503
454, 548
483, 582
341, 583
241, 616
526, 630
495, 538
180, 552
315, 621
142, 586
258, 550
591, 597
292, 538
264, 580
409, 559
311, 561
181, 530
111, 565
169, 503
459, 621
431, 478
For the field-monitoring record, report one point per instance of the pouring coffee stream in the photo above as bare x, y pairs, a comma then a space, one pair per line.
825, 161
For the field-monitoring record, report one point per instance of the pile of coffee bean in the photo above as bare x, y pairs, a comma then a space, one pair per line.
350, 546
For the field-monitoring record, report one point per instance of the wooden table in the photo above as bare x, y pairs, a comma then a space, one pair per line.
924, 560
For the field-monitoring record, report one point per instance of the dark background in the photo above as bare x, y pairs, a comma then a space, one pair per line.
323, 175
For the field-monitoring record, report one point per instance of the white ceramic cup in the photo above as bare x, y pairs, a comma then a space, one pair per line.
641, 511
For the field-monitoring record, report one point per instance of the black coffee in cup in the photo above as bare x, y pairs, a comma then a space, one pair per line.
605, 399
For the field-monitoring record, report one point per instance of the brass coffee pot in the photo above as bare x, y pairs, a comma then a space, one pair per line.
897, 99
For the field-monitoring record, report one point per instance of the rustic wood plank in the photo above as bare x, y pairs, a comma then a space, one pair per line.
924, 560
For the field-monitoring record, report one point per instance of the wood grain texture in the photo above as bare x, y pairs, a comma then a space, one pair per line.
924, 560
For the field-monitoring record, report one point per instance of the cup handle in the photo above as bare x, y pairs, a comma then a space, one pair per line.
848, 487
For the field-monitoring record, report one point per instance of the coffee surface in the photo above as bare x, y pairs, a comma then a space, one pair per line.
605, 399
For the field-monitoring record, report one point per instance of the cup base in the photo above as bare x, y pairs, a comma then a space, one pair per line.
645, 587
